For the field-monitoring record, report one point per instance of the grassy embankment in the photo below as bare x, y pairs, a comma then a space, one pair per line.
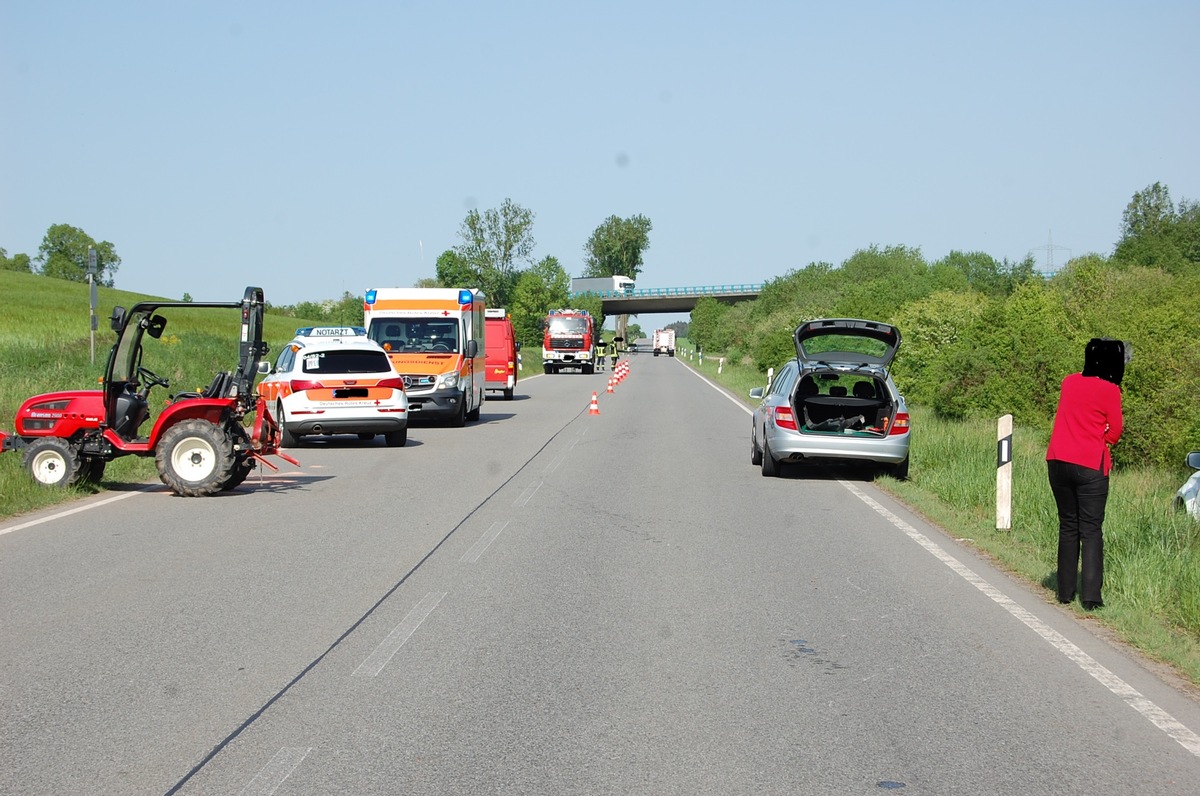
1152, 552
45, 345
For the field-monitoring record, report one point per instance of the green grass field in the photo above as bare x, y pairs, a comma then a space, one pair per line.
1152, 552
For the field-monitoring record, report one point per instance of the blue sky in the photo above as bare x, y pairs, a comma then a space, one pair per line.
316, 148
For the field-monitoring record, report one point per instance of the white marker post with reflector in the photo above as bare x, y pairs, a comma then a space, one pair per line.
1004, 435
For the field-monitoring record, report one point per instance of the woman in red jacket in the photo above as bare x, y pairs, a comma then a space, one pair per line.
1087, 422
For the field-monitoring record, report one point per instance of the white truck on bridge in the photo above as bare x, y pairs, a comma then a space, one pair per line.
603, 284
664, 342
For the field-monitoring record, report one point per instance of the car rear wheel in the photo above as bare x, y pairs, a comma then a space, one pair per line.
396, 439
508, 394
899, 471
770, 467
286, 438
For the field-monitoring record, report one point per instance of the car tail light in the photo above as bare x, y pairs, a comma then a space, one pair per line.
899, 425
785, 418
394, 383
300, 385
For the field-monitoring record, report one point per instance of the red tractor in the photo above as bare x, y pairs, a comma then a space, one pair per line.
199, 441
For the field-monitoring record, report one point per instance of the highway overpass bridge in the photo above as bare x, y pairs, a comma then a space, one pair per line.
668, 299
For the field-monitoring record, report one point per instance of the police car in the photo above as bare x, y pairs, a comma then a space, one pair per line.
335, 380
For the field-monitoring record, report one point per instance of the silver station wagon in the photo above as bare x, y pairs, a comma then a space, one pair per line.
835, 402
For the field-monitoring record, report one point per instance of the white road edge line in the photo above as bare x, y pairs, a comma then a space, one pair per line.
280, 767
484, 542
378, 659
1156, 715
75, 510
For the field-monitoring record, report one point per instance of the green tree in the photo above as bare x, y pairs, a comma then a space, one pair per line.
705, 322
616, 247
453, 270
492, 244
1154, 233
64, 255
18, 262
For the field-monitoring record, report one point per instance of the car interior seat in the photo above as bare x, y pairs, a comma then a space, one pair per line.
864, 389
837, 391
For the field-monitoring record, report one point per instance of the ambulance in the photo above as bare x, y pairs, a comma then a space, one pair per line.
502, 348
435, 338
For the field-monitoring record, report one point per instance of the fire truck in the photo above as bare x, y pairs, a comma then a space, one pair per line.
569, 341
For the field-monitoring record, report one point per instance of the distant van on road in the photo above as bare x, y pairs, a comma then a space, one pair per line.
500, 346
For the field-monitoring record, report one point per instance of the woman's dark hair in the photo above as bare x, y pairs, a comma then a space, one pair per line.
1106, 358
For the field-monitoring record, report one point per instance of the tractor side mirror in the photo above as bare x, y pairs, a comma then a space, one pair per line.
155, 326
116, 321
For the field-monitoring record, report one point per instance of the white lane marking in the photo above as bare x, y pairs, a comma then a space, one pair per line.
76, 510
553, 465
524, 498
378, 659
1156, 715
472, 555
273, 774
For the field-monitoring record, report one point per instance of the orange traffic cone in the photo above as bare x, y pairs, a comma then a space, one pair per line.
610, 385
595, 407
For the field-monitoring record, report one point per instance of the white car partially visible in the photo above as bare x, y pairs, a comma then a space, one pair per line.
1188, 496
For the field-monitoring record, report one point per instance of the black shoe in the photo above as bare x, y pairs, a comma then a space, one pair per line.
1066, 600
1089, 605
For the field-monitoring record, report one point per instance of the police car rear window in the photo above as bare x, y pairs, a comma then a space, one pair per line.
327, 362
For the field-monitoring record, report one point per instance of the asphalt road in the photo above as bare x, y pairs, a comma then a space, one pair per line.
551, 602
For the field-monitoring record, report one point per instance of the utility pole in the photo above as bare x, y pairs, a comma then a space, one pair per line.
1049, 249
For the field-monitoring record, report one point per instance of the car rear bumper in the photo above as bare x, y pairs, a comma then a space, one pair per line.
348, 425
792, 446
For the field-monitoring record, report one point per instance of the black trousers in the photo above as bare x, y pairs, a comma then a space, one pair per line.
1081, 494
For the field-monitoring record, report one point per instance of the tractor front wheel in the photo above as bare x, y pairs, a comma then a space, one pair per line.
195, 458
53, 462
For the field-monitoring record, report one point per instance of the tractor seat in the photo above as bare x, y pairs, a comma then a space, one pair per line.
218, 389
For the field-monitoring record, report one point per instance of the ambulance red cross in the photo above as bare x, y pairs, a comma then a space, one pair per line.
335, 380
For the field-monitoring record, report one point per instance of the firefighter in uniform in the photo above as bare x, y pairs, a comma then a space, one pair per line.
600, 353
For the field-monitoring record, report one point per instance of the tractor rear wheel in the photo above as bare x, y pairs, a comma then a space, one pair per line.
195, 458
53, 462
